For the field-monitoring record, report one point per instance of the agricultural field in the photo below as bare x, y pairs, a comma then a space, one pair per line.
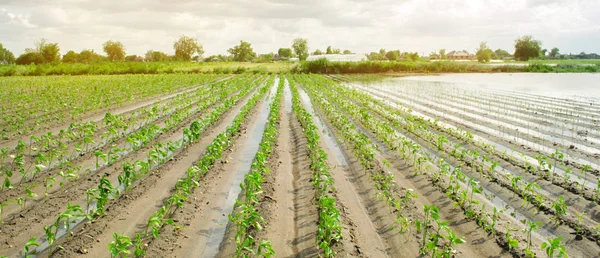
302, 165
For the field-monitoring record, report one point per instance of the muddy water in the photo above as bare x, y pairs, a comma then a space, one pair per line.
250, 148
564, 85
329, 138
424, 104
508, 151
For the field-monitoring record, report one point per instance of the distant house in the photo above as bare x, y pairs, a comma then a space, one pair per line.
339, 57
460, 55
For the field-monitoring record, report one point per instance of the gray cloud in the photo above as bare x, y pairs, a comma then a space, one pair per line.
359, 25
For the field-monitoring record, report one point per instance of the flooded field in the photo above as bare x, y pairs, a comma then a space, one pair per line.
304, 165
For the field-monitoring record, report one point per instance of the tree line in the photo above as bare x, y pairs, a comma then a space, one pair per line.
45, 52
185, 49
188, 49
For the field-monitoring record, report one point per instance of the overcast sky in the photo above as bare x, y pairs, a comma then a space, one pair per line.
359, 25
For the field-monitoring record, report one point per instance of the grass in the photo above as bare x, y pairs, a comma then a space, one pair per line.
557, 61
317, 66
107, 68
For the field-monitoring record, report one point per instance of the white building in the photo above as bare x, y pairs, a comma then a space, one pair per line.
339, 58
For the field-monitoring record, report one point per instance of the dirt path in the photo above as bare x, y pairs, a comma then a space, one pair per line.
203, 218
282, 209
360, 228
305, 211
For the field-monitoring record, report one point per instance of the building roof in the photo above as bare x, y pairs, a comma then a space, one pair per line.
458, 53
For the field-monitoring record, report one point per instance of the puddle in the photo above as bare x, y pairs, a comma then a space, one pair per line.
496, 201
499, 147
287, 97
328, 135
250, 148
499, 202
495, 123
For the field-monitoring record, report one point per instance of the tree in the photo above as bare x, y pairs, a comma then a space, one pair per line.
434, 55
554, 53
336, 51
6, 57
501, 54
88, 56
51, 52
300, 47
29, 58
48, 52
186, 47
43, 52
265, 58
412, 56
114, 50
134, 58
347, 52
382, 52
243, 52
443, 55
317, 53
71, 57
393, 55
375, 56
156, 56
484, 53
526, 47
285, 53
328, 51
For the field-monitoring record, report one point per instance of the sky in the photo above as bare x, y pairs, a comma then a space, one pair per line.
358, 25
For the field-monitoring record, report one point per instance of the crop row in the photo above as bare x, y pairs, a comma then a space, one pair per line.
547, 135
501, 116
53, 150
529, 191
541, 166
31, 104
143, 137
434, 241
98, 198
545, 156
329, 230
509, 135
246, 218
184, 187
413, 151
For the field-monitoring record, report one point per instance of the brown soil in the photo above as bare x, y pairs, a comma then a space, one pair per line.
18, 230
199, 217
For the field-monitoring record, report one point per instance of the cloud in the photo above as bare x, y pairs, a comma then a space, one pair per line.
359, 25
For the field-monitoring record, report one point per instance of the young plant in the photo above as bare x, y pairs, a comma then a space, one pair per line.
31, 243
530, 227
99, 154
560, 209
584, 171
553, 245
431, 213
48, 182
119, 246
510, 241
